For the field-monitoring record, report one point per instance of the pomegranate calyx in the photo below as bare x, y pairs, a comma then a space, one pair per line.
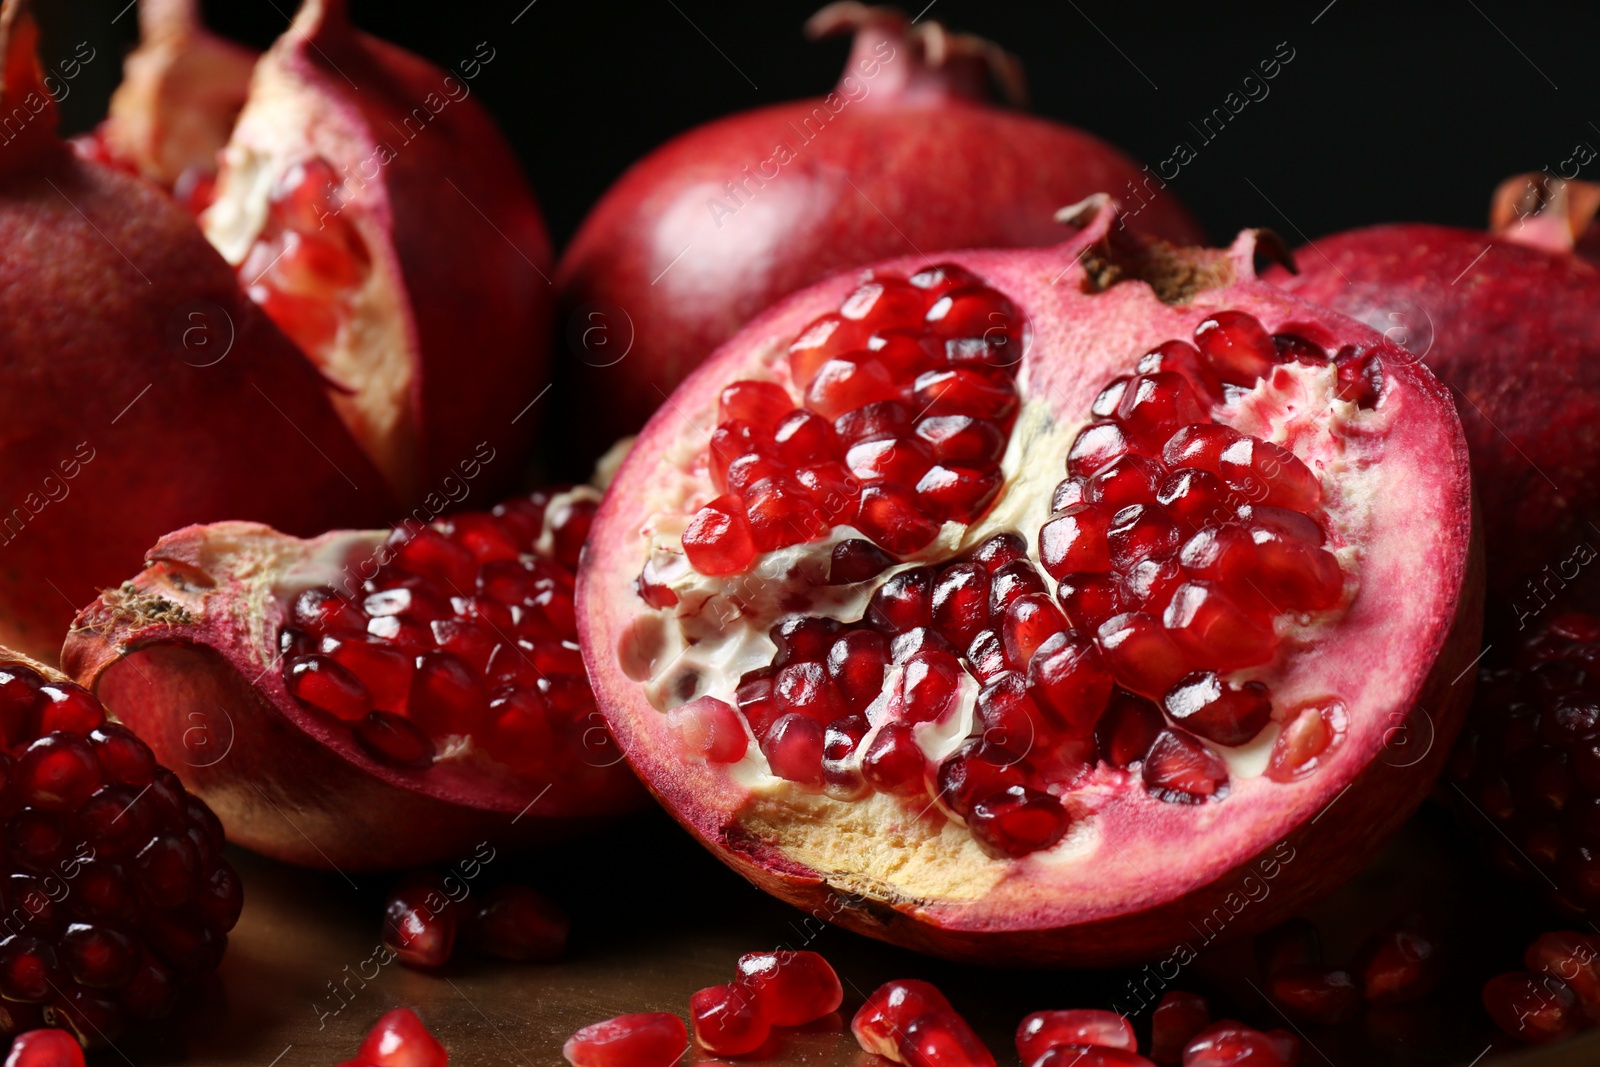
1110, 253
1542, 211
922, 60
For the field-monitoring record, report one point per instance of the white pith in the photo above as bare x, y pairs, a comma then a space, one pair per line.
370, 360
718, 629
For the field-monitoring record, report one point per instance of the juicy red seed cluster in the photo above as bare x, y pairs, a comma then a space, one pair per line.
1396, 965
1558, 995
428, 913
115, 890
465, 630
641, 1039
769, 989
910, 1022
1528, 762
907, 398
399, 1038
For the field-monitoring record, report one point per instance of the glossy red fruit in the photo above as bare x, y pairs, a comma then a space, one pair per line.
45, 1048
105, 279
420, 922
516, 922
790, 988
1571, 958
1402, 964
1045, 1030
1232, 1044
1090, 1056
942, 1039
1177, 1019
727, 1019
646, 1039
1479, 307
1321, 995
462, 712
698, 237
1533, 1008
879, 1023
400, 1040
152, 898
979, 695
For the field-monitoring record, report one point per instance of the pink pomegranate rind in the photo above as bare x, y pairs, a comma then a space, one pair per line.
1134, 877
909, 153
188, 654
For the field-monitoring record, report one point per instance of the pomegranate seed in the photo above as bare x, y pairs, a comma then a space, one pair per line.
978, 392
45, 1048
1200, 447
1140, 532
708, 729
940, 279
961, 439
515, 922
1288, 946
987, 654
941, 1038
1127, 728
850, 381
885, 303
400, 1040
1154, 406
1185, 359
1074, 489
1322, 995
879, 1023
892, 459
1533, 1008
1068, 679
1149, 585
1399, 966
824, 338
1129, 480
1089, 1056
1219, 711
1075, 540
319, 612
806, 689
68, 709
322, 683
57, 772
958, 494
1141, 654
1194, 499
1181, 770
793, 747
384, 672
1265, 473
974, 772
960, 602
1213, 628
1228, 1043
1174, 1023
877, 421
1309, 735
393, 740
755, 701
856, 560
122, 756
1009, 715
1045, 1030
718, 540
726, 1020
840, 741
748, 470
1237, 347
761, 404
791, 988
1011, 581
1295, 576
804, 437
1030, 621
857, 662
1360, 377
1088, 599
902, 603
419, 922
894, 762
1099, 445
1018, 820
447, 696
889, 515
929, 687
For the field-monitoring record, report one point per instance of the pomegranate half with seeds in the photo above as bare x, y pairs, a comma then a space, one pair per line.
367, 698
1038, 605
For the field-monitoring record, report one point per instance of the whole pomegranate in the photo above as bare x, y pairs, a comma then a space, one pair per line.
1510, 320
906, 154
117, 893
1050, 605
141, 389
367, 698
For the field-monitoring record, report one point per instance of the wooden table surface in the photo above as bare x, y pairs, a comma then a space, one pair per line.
656, 918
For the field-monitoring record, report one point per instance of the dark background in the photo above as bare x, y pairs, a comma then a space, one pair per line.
1388, 111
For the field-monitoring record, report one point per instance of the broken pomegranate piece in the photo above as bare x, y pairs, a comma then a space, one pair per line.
1171, 624
421, 687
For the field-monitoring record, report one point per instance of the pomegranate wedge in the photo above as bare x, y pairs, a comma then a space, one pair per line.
1075, 604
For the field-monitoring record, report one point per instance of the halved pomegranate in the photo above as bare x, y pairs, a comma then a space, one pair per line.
1510, 320
1065, 598
368, 698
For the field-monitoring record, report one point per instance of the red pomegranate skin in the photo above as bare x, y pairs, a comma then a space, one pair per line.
465, 236
1035, 915
1514, 330
142, 391
912, 158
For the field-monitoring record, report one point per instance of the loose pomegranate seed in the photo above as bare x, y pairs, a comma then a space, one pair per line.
1044, 1030
879, 1023
646, 1039
515, 922
1089, 1056
45, 1048
1401, 965
942, 1039
1323, 995
1569, 957
419, 922
1228, 1043
1177, 1019
1533, 1008
726, 1020
708, 729
400, 1040
791, 988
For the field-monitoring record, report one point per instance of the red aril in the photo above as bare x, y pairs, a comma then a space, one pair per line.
424, 748
1231, 1044
646, 1039
942, 1039
1533, 1008
727, 1021
1571, 958
957, 638
790, 988
1322, 995
420, 921
400, 1040
1177, 1019
703, 233
1045, 1030
878, 1023
1401, 964
1089, 1056
44, 1048
516, 922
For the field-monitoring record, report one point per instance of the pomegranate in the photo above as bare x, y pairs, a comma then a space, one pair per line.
182, 88
1506, 319
44, 1048
200, 409
367, 699
365, 199
996, 713
878, 1023
117, 891
644, 1039
1526, 772
399, 1039
907, 153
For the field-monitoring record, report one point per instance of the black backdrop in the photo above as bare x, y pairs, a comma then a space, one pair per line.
1389, 110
